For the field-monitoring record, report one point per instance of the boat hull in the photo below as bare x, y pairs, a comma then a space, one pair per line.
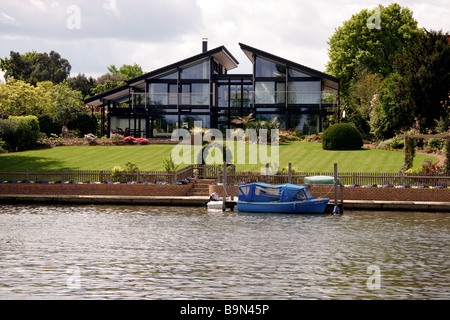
308, 206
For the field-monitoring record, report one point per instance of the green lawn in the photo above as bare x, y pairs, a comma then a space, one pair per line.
303, 156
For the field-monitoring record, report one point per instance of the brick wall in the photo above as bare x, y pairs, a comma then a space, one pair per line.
95, 189
380, 194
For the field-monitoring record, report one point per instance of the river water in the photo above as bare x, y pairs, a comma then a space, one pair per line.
121, 252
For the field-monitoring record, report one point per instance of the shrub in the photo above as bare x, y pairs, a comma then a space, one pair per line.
142, 141
342, 136
117, 174
129, 140
20, 133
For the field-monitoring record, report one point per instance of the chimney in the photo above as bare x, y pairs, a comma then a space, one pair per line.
205, 45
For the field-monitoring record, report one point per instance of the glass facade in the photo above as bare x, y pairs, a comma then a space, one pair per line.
194, 92
197, 71
304, 92
268, 69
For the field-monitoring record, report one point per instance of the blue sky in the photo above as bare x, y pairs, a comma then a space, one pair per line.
94, 34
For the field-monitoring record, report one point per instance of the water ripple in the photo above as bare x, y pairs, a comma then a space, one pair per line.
109, 252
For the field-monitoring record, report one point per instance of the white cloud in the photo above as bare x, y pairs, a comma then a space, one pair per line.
6, 19
154, 34
111, 7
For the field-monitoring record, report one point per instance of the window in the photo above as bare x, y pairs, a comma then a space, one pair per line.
157, 94
169, 76
162, 94
304, 92
268, 92
195, 94
197, 71
297, 74
269, 69
265, 92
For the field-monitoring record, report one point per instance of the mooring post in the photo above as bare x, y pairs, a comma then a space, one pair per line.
335, 189
224, 195
290, 172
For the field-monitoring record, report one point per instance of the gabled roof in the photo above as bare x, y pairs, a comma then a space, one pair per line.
221, 54
329, 81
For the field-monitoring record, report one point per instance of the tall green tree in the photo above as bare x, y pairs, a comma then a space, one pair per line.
116, 77
127, 71
82, 83
370, 40
19, 98
425, 79
35, 67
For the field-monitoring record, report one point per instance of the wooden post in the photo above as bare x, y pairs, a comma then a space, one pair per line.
290, 173
224, 195
335, 188
233, 171
267, 173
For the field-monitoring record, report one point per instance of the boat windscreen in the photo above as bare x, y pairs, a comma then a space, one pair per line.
244, 191
264, 194
303, 194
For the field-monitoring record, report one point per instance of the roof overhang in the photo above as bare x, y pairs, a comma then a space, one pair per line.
221, 54
328, 80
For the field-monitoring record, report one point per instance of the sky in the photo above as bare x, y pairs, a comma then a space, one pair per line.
94, 34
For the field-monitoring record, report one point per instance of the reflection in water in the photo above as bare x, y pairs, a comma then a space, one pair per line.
107, 252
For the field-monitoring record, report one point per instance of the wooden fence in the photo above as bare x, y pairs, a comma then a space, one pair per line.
215, 172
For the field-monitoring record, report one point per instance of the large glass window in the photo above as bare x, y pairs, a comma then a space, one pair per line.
297, 74
306, 123
267, 92
164, 125
188, 120
266, 68
157, 94
197, 71
196, 94
162, 94
304, 92
200, 94
222, 92
170, 76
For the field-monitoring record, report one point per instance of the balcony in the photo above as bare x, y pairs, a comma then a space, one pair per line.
323, 99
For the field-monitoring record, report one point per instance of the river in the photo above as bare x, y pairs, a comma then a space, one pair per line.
123, 252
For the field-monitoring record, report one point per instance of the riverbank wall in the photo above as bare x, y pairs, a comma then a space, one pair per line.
355, 198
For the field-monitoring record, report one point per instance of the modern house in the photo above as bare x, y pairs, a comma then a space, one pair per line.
201, 88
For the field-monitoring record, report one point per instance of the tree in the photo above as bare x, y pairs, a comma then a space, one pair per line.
67, 103
362, 99
425, 83
82, 83
127, 71
19, 98
35, 67
388, 116
359, 44
107, 82
50, 67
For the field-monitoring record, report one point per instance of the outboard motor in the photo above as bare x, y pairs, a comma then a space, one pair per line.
214, 197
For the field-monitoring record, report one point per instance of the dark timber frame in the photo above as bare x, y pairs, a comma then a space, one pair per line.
200, 88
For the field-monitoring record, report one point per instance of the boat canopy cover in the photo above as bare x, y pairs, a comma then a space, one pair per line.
263, 192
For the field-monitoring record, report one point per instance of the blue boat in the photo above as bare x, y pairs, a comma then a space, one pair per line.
285, 198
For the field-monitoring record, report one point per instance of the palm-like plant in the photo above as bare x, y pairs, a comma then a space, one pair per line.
244, 121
